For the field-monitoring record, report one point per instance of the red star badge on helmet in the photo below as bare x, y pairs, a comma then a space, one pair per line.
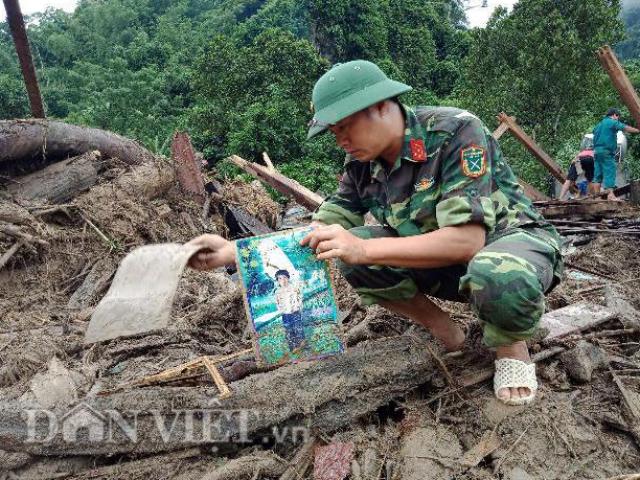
418, 150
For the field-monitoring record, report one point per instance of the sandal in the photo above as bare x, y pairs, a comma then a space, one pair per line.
512, 373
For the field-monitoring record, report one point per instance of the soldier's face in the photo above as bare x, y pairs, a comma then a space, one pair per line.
362, 134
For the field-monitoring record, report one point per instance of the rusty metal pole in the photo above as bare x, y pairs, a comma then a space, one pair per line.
620, 81
19, 34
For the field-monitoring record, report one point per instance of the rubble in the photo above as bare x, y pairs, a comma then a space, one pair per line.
581, 361
408, 410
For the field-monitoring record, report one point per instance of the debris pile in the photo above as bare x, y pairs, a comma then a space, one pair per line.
393, 406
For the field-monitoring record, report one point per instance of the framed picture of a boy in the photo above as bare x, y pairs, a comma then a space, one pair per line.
288, 297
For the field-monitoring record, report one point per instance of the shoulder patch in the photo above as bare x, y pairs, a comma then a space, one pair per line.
473, 160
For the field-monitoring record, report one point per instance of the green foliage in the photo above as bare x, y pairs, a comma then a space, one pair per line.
238, 74
538, 64
629, 48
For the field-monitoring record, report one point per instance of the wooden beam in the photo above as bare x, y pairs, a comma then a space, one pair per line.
501, 130
529, 190
21, 42
533, 147
268, 162
532, 192
620, 81
284, 185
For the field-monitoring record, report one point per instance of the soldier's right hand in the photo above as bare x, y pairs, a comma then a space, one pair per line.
214, 251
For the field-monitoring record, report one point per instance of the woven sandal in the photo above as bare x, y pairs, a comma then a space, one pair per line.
512, 373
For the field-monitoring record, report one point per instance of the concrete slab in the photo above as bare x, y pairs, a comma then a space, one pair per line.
575, 318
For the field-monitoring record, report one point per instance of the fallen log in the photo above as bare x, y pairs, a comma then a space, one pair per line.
60, 182
23, 142
318, 396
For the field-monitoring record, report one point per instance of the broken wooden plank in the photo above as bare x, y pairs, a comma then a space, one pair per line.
548, 162
223, 388
188, 171
575, 318
501, 130
321, 396
532, 192
582, 208
284, 185
620, 81
488, 444
529, 190
267, 160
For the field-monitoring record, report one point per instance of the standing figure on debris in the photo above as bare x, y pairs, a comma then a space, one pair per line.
289, 301
605, 144
581, 164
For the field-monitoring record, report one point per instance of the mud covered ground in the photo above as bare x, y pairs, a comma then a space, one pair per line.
576, 429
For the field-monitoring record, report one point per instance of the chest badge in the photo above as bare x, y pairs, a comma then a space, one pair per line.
418, 150
473, 160
424, 184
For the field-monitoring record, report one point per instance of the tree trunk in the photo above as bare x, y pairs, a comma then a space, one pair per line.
323, 396
60, 182
27, 145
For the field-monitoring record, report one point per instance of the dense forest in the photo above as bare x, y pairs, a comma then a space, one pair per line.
238, 74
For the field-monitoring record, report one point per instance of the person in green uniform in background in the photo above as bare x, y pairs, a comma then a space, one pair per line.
453, 221
605, 144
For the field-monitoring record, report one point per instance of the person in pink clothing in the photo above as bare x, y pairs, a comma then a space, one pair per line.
583, 162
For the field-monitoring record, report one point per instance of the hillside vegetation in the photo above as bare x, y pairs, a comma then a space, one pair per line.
238, 74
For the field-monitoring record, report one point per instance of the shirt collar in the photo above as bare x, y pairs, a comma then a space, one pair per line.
413, 132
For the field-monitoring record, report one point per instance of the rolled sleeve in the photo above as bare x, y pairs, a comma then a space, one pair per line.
343, 207
620, 126
466, 179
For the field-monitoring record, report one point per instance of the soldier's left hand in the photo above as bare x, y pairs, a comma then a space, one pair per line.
333, 241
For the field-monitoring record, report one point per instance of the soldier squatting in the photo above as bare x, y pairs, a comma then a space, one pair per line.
453, 221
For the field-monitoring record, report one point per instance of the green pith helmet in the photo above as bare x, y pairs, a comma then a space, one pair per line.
348, 88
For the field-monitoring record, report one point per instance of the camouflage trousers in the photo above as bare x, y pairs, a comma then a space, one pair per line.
505, 282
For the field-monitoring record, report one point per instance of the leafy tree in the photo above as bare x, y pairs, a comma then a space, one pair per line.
629, 48
543, 72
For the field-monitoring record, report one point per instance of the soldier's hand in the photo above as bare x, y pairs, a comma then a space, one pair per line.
214, 251
333, 241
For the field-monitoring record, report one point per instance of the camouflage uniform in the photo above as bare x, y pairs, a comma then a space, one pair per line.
451, 172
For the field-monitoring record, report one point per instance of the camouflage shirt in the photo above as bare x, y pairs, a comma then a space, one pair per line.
450, 172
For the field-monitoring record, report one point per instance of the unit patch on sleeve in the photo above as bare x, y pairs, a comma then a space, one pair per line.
474, 161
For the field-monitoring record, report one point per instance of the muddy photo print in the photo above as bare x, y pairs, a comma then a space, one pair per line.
289, 298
